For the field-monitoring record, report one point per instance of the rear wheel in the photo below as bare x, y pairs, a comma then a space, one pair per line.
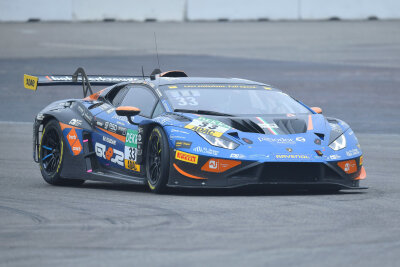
51, 151
157, 160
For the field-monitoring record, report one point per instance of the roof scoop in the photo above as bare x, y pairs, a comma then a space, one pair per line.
174, 73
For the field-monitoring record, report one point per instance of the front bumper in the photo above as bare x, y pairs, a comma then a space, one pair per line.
301, 174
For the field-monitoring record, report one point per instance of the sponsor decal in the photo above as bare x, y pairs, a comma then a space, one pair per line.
219, 86
100, 124
110, 154
74, 142
248, 141
94, 79
258, 156
40, 116
131, 138
131, 150
75, 122
361, 160
352, 152
269, 126
121, 130
298, 156
219, 165
204, 130
348, 166
334, 157
300, 139
182, 144
131, 165
183, 156
208, 126
178, 131
112, 127
176, 136
237, 156
205, 150
163, 120
30, 82
281, 140
109, 140
121, 118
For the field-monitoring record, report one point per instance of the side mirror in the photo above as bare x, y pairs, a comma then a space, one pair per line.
317, 110
128, 112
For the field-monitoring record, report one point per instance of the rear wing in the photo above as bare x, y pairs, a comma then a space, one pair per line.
78, 78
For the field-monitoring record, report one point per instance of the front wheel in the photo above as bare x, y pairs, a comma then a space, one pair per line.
51, 151
157, 160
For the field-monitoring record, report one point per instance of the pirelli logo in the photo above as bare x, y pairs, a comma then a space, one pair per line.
186, 157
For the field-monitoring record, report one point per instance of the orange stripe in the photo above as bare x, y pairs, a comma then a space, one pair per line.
363, 174
310, 125
119, 137
187, 174
48, 78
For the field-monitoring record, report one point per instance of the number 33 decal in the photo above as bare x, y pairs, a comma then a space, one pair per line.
189, 100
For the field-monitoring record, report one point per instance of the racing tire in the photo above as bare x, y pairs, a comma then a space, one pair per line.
51, 150
157, 161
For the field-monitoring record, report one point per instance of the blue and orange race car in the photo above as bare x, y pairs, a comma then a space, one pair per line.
170, 130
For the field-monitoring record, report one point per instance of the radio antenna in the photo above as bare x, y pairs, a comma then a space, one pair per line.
155, 41
142, 72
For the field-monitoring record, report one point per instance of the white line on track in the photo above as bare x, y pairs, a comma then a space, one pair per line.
82, 46
16, 122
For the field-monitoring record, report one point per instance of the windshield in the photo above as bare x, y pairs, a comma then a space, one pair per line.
250, 100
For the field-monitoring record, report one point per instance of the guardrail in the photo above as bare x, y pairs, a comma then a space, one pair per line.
196, 10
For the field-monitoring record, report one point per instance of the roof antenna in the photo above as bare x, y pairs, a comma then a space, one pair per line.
142, 72
155, 41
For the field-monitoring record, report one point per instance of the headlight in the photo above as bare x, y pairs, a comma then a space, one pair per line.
219, 141
339, 143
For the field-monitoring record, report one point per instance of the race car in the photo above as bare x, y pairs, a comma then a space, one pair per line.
170, 130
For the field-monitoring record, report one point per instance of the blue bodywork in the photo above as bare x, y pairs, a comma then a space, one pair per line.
112, 149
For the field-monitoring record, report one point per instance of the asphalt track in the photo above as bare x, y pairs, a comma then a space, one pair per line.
350, 69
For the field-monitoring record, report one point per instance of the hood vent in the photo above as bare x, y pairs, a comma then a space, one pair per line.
320, 135
243, 125
249, 125
291, 126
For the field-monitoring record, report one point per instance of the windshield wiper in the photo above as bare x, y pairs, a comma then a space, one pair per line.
205, 112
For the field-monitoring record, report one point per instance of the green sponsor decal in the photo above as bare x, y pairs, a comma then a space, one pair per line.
131, 138
215, 122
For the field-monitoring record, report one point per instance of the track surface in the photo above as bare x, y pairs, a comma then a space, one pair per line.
350, 69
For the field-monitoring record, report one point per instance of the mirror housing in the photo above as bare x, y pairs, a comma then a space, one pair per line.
127, 112
317, 110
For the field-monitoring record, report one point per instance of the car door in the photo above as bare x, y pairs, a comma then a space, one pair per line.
115, 143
